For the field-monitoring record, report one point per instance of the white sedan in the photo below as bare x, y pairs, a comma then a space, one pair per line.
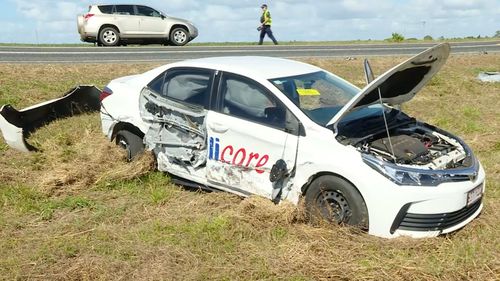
287, 130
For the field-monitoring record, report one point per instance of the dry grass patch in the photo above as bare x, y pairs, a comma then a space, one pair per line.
74, 157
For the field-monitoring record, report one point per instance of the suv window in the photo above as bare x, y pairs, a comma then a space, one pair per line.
190, 86
248, 100
147, 11
124, 9
106, 9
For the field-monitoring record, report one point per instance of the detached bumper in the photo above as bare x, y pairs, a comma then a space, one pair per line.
16, 125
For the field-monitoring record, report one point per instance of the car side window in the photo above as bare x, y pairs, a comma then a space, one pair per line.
106, 9
157, 84
124, 9
147, 11
248, 100
190, 86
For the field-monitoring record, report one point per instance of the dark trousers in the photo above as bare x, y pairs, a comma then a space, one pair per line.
266, 29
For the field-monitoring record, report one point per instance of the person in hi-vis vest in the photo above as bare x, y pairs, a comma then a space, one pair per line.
265, 27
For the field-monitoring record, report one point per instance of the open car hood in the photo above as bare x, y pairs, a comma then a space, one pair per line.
399, 84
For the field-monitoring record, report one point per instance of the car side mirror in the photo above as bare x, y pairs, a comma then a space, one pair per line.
162, 17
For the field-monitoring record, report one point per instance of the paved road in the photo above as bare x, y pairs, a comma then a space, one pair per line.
155, 53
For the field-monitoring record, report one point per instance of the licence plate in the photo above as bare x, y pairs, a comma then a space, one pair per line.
474, 195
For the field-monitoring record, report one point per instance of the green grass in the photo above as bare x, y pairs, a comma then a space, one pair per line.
77, 210
26, 200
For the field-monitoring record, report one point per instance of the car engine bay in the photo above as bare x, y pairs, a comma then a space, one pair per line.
411, 144
417, 146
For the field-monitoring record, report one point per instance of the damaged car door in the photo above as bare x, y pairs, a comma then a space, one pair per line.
249, 133
175, 104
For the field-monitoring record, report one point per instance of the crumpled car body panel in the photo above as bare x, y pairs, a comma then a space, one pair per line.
17, 125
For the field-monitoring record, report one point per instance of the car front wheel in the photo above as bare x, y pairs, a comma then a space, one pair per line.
335, 200
179, 36
109, 36
131, 142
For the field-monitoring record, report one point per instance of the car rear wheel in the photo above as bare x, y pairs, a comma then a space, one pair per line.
335, 200
131, 142
179, 36
109, 36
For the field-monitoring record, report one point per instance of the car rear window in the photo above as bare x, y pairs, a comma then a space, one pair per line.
106, 9
124, 9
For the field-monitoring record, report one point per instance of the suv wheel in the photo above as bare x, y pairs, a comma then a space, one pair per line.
179, 36
109, 36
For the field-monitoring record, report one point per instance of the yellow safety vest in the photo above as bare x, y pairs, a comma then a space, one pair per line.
266, 18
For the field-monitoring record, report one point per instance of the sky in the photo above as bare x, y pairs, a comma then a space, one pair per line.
54, 21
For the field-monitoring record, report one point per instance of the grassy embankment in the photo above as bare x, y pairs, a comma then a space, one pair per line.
75, 210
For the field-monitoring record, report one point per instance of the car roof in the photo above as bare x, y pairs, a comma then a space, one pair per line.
252, 66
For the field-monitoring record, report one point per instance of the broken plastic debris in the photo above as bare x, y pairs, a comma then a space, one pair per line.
16, 125
489, 76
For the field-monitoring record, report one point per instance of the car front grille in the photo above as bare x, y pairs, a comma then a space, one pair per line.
432, 222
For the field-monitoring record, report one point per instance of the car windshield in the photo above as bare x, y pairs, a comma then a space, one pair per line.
319, 95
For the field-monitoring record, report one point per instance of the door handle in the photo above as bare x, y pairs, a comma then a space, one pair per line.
218, 128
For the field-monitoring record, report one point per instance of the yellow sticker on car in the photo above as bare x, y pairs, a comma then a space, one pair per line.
308, 92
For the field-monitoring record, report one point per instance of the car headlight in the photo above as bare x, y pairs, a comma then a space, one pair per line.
413, 176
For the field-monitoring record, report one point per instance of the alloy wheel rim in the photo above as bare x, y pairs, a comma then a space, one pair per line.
180, 36
109, 36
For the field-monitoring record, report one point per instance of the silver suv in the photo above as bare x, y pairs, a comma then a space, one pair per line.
111, 25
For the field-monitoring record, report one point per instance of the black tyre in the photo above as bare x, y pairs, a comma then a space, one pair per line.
131, 142
109, 36
335, 200
179, 36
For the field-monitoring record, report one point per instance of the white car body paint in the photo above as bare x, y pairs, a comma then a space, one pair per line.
316, 152
17, 125
12, 135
